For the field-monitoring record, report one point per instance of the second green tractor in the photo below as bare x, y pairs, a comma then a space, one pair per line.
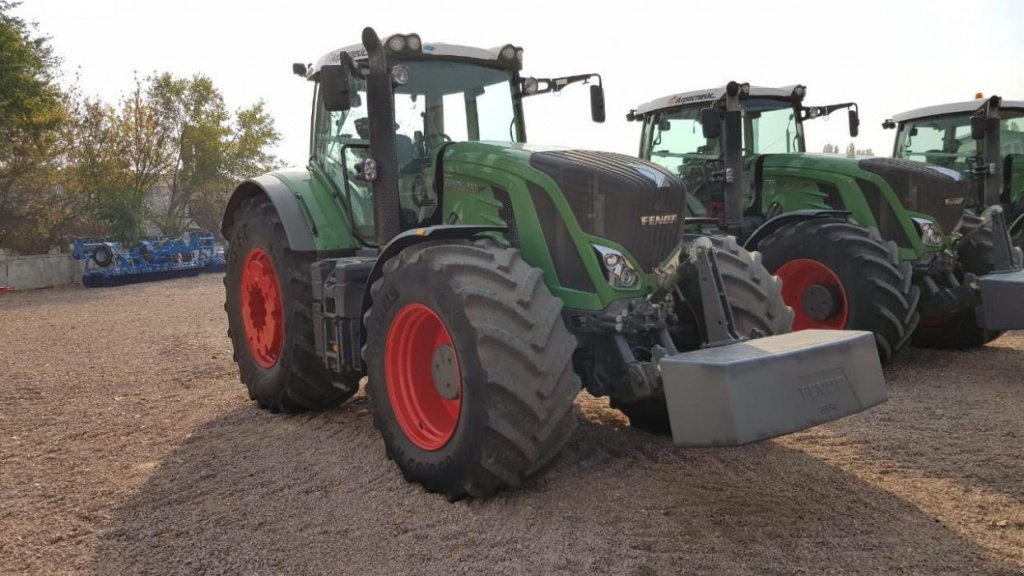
871, 244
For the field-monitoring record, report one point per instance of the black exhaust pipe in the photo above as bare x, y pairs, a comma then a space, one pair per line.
380, 104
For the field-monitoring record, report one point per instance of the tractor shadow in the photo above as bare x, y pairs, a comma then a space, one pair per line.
255, 493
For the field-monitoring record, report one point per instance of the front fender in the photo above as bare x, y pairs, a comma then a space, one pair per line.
789, 218
417, 236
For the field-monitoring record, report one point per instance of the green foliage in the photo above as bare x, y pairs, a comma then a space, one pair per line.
30, 117
207, 149
167, 155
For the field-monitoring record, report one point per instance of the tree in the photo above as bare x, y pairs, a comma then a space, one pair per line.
167, 154
204, 150
30, 117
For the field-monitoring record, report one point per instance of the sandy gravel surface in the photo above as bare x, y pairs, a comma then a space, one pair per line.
127, 446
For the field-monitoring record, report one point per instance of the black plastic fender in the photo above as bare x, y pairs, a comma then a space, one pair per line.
297, 227
1017, 226
788, 218
416, 236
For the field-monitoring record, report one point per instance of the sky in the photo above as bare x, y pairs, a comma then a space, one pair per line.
887, 56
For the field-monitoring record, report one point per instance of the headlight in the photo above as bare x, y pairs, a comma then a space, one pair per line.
618, 271
928, 231
396, 43
399, 43
400, 74
531, 85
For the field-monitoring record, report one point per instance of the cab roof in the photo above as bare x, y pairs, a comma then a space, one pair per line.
951, 109
429, 49
710, 95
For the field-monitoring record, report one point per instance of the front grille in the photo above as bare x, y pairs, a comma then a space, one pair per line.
888, 224
569, 268
612, 195
507, 215
919, 187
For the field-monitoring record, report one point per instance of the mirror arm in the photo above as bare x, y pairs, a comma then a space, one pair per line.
557, 84
819, 111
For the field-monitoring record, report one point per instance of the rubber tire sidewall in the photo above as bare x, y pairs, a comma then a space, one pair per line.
862, 300
298, 381
244, 237
417, 283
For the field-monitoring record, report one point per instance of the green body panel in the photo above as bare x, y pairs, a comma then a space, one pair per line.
794, 182
316, 196
473, 170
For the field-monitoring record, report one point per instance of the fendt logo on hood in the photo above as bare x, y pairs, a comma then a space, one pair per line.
659, 219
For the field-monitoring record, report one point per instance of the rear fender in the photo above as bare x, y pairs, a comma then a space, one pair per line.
297, 226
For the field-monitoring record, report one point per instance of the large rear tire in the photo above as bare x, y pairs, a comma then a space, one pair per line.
269, 300
470, 367
961, 331
837, 275
755, 297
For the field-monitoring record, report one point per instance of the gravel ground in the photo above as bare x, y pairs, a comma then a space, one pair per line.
127, 446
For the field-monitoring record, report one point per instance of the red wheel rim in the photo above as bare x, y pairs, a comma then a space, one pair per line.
804, 275
262, 308
417, 342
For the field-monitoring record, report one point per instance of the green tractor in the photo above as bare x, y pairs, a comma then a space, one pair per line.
480, 282
982, 139
860, 243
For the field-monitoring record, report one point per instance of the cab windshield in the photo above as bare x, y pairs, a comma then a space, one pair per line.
442, 101
770, 126
942, 141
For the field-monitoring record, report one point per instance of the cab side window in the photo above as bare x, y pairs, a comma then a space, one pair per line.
340, 142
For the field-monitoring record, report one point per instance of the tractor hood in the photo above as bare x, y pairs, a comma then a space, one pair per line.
629, 201
939, 192
926, 189
619, 197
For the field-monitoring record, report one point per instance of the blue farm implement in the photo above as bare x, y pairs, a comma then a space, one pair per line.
107, 263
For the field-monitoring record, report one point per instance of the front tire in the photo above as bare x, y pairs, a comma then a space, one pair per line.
470, 371
269, 300
840, 276
755, 297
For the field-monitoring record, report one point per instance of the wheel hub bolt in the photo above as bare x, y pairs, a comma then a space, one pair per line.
445, 372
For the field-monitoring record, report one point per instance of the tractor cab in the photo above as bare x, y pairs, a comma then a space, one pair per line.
387, 129
698, 134
981, 139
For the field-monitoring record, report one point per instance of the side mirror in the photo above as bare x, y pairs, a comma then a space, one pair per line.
597, 102
854, 123
335, 87
979, 126
710, 123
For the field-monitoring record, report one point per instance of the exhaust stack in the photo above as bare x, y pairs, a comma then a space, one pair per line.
380, 105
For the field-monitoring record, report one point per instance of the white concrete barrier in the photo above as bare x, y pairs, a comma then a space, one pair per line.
45, 271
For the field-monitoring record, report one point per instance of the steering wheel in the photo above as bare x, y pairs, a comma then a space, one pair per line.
698, 174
